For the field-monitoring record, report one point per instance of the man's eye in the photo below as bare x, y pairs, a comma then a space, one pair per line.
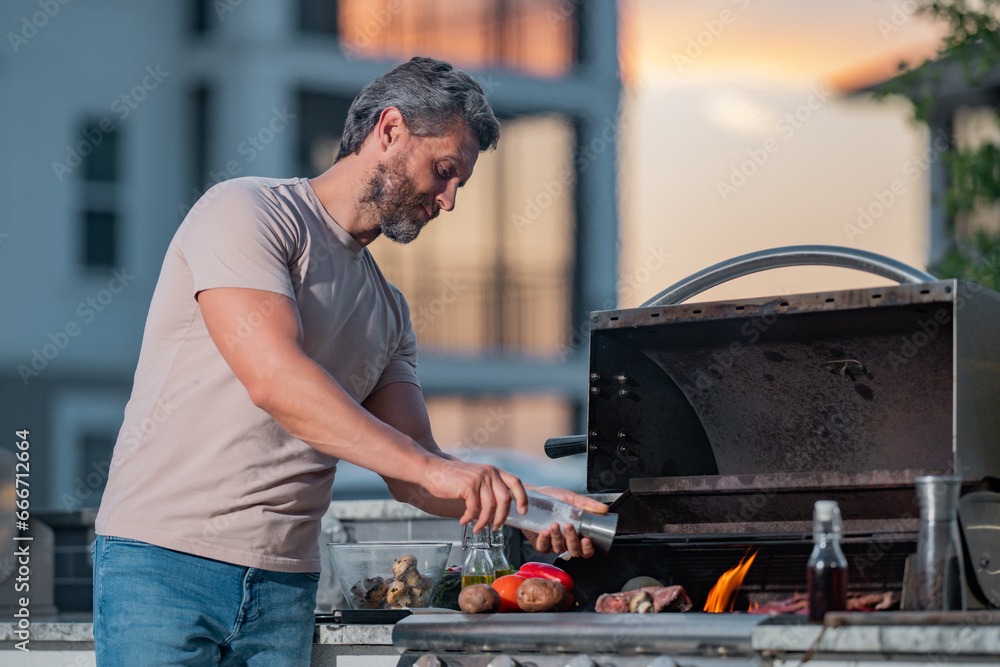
445, 172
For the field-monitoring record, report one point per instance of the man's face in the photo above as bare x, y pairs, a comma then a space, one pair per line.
408, 189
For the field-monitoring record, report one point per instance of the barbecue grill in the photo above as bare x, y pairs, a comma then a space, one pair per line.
716, 426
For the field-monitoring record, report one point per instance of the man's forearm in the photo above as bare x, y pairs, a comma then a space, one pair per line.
417, 496
308, 402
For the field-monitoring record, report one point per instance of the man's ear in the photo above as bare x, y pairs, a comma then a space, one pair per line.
390, 129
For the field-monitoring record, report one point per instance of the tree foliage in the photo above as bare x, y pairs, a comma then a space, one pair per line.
976, 259
972, 41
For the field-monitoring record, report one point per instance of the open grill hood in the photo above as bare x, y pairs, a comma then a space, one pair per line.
844, 395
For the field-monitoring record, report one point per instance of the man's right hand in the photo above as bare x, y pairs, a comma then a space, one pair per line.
485, 489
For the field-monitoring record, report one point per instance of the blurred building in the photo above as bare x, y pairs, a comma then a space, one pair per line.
120, 114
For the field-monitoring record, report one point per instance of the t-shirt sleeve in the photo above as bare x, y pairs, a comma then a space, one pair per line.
235, 236
402, 366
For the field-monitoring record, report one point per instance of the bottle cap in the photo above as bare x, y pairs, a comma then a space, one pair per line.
825, 510
600, 528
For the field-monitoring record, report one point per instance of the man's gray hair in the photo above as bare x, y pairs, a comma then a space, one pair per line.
431, 95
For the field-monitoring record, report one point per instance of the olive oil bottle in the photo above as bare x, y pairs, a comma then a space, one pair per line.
498, 554
478, 566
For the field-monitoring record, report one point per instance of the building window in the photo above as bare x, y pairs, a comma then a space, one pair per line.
99, 216
537, 37
99, 239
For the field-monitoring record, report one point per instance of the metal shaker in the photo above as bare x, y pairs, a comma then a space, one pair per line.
938, 569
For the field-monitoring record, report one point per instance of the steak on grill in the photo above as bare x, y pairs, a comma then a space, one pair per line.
665, 598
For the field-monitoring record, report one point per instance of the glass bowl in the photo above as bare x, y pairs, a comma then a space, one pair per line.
389, 575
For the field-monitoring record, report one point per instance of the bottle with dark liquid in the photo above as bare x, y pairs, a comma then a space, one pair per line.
827, 573
478, 566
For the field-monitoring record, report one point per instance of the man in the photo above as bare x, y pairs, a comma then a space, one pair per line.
273, 348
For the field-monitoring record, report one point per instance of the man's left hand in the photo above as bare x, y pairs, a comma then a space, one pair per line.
558, 539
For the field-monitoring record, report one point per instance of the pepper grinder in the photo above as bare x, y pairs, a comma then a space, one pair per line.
939, 572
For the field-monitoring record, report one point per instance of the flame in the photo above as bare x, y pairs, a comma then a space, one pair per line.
724, 591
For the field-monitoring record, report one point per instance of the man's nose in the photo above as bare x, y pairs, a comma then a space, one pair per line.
446, 199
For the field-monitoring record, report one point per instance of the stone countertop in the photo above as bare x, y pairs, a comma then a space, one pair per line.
898, 633
341, 635
51, 632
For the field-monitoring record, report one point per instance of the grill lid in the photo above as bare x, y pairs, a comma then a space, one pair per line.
893, 379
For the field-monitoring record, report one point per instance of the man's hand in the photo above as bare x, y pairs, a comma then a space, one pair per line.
453, 487
558, 538
485, 490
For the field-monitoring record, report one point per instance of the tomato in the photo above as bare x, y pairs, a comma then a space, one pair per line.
507, 586
546, 571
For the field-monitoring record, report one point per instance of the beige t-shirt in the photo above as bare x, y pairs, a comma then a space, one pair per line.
197, 466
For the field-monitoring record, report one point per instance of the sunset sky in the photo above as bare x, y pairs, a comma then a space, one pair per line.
738, 137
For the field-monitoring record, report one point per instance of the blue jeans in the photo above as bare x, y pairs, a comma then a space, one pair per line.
154, 606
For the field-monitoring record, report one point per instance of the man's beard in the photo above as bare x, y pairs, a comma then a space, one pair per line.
392, 198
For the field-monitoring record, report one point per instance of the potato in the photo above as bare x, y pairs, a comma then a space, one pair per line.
479, 599
541, 595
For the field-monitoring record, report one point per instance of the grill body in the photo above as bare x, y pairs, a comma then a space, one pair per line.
712, 430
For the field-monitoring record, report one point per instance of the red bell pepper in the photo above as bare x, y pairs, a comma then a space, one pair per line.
546, 571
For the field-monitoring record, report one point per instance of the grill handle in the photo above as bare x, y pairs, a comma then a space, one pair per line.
796, 255
556, 448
